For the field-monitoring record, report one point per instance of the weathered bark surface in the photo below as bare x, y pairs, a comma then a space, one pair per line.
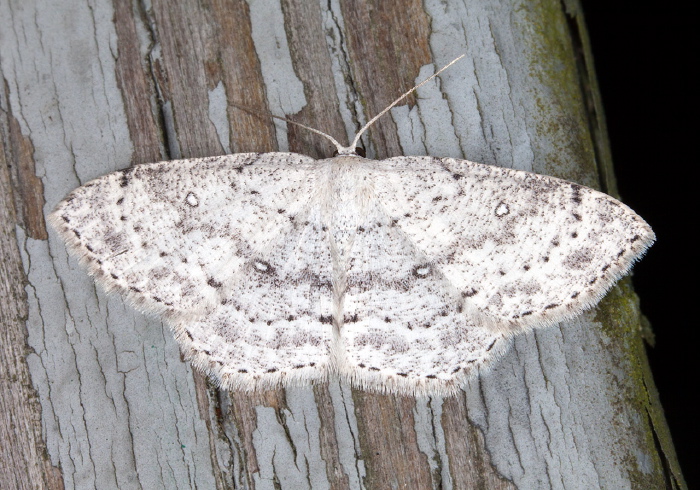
23, 462
95, 395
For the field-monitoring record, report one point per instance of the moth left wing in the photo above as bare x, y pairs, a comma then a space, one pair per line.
523, 250
403, 326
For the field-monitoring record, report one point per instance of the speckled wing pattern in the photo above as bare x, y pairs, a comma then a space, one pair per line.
401, 275
212, 245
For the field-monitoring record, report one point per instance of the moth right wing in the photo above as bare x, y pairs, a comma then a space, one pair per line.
212, 244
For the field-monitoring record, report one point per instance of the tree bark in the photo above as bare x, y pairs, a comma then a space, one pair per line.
95, 395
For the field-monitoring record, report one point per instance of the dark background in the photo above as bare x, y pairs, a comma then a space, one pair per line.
645, 59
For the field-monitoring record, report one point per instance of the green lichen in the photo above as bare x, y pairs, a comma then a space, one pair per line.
566, 147
621, 320
571, 123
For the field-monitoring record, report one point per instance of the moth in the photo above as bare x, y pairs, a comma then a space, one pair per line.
402, 275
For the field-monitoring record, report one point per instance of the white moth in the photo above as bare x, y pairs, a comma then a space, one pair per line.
402, 275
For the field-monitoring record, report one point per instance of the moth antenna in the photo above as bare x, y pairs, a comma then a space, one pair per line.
350, 150
371, 121
338, 146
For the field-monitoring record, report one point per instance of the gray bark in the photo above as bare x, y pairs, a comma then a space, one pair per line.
95, 395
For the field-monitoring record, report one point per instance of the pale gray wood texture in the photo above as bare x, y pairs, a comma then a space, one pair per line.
95, 395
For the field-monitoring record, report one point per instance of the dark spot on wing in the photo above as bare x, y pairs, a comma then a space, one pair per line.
263, 267
579, 259
469, 293
422, 270
576, 196
213, 283
192, 200
124, 178
502, 210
